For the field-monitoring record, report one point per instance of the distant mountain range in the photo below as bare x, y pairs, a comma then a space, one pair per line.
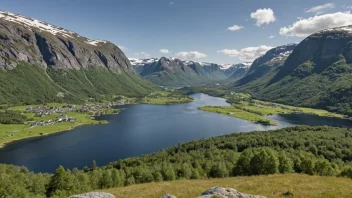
40, 62
174, 72
315, 73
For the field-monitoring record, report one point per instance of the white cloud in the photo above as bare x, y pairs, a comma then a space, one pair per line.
248, 54
235, 28
306, 27
171, 3
270, 37
320, 8
347, 7
122, 47
263, 16
142, 54
164, 51
190, 55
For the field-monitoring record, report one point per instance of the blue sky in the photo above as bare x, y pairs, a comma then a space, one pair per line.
196, 28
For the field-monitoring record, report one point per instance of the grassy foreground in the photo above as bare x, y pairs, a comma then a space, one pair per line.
269, 186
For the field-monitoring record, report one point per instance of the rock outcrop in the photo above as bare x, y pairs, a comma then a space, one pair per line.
226, 193
167, 195
94, 195
37, 42
220, 192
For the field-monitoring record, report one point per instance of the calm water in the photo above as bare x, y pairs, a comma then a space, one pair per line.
137, 130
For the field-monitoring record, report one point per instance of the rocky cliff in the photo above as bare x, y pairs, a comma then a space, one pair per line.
58, 51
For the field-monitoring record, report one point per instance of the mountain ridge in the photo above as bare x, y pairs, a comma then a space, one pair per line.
70, 67
316, 74
173, 71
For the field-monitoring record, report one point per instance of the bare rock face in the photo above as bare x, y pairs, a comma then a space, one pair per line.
94, 195
167, 195
226, 193
36, 42
220, 192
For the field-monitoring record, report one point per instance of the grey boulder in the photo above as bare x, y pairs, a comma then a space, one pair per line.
94, 195
227, 193
167, 195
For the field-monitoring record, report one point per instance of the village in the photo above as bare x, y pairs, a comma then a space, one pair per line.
94, 109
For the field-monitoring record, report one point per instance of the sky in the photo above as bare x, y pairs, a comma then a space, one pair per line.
218, 31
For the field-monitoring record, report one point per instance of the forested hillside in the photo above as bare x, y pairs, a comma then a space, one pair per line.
323, 151
316, 74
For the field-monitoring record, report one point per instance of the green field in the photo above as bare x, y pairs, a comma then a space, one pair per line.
11, 132
166, 100
269, 186
238, 113
256, 110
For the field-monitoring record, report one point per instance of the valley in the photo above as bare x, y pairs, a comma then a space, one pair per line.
177, 105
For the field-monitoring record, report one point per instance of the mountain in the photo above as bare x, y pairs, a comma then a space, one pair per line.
265, 67
237, 71
172, 71
40, 62
138, 64
318, 73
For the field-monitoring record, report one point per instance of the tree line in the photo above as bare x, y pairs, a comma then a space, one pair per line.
324, 151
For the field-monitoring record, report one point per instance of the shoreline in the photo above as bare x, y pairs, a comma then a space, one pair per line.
2, 145
94, 122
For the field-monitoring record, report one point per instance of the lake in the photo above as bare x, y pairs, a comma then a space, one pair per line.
137, 130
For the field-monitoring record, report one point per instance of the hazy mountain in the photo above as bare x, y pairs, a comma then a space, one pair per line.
172, 71
40, 62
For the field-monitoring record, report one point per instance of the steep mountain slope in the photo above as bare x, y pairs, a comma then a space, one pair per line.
40, 62
172, 71
264, 68
138, 64
318, 73
237, 71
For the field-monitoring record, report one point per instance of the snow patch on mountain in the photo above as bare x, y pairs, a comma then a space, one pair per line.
239, 65
141, 62
42, 26
95, 42
282, 55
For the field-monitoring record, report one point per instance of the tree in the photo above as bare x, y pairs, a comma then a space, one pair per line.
218, 171
94, 165
307, 166
195, 174
168, 172
346, 172
130, 181
60, 181
106, 180
285, 163
115, 176
242, 166
264, 162
324, 168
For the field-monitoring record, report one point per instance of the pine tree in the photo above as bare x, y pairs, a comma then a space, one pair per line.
94, 165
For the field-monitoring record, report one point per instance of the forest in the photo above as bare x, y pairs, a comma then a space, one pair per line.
324, 151
12, 117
